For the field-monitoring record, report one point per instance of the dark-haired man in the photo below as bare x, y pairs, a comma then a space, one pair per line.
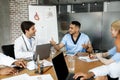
74, 41
25, 44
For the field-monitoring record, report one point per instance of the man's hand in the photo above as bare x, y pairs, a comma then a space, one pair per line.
88, 47
52, 42
20, 63
7, 71
85, 46
83, 76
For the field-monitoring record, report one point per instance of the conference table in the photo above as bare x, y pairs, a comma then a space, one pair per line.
80, 66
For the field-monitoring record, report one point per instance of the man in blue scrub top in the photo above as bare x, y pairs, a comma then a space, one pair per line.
74, 41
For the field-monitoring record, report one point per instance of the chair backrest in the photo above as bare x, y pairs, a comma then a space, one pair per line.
109, 78
8, 50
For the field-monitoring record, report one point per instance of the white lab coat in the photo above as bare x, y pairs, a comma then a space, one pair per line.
6, 60
21, 45
113, 70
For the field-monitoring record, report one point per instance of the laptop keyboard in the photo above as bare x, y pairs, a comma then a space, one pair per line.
70, 76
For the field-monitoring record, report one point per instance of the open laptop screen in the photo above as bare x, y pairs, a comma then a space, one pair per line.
43, 51
60, 66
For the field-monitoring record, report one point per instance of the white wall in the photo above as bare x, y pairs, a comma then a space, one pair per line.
4, 23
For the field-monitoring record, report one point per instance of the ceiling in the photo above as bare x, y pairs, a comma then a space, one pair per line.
76, 1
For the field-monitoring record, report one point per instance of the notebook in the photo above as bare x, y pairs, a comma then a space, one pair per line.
61, 69
43, 51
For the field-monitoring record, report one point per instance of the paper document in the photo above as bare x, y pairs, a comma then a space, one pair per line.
19, 77
47, 63
27, 77
87, 59
31, 65
42, 77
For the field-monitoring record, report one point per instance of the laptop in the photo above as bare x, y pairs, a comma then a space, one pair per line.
61, 69
43, 51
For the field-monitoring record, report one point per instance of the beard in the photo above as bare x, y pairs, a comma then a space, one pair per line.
70, 32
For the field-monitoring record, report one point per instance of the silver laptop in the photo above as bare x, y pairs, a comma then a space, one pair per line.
43, 51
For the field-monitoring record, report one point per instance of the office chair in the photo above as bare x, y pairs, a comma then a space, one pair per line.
109, 78
8, 50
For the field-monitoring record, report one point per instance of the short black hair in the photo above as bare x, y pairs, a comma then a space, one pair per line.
76, 23
26, 25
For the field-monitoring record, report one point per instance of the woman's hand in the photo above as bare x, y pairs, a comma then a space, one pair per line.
7, 71
92, 56
83, 76
99, 55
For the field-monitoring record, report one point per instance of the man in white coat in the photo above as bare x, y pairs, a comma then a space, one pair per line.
6, 62
24, 46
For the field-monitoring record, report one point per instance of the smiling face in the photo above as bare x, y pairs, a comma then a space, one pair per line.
73, 29
115, 28
114, 32
31, 31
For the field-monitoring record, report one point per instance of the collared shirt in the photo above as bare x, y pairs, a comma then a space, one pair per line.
73, 47
23, 48
115, 55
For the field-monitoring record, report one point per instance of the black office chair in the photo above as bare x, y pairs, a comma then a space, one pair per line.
8, 50
109, 78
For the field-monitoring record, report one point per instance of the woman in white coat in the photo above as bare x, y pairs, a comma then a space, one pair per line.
24, 46
112, 65
6, 62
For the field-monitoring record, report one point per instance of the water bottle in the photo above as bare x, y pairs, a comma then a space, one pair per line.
41, 68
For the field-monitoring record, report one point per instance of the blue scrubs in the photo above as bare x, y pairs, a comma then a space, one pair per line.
72, 47
115, 55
